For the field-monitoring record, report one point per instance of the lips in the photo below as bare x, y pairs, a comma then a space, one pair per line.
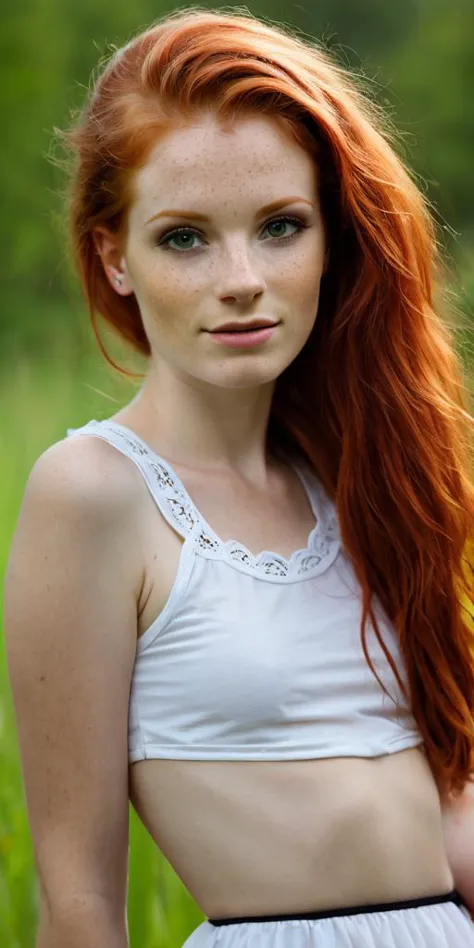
250, 327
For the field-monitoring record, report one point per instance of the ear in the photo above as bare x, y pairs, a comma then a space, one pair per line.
109, 248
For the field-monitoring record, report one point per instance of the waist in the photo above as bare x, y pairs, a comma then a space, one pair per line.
452, 896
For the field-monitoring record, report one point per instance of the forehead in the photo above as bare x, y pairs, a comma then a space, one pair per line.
205, 159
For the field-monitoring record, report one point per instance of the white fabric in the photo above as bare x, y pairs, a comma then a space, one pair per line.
258, 658
443, 925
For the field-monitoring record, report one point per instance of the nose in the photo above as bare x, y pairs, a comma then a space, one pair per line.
240, 278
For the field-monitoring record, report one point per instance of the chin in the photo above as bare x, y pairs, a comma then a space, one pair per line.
247, 376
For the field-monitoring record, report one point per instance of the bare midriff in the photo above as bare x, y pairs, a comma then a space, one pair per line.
276, 837
285, 836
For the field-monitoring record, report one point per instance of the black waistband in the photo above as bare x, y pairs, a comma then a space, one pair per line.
452, 896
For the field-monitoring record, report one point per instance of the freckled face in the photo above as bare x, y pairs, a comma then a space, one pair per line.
191, 275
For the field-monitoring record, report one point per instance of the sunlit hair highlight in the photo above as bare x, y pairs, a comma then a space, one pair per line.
376, 399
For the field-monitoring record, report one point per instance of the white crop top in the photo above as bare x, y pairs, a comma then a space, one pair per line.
258, 657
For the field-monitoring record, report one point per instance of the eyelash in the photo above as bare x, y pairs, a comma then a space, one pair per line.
165, 238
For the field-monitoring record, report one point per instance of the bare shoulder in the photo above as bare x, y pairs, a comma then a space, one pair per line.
96, 487
87, 469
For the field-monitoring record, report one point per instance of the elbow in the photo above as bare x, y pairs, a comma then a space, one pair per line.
79, 919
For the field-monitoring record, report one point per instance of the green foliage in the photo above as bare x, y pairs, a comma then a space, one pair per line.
434, 80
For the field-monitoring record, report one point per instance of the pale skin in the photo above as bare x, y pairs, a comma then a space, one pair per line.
286, 836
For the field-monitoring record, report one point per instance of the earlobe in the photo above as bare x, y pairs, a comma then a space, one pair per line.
118, 279
121, 280
108, 248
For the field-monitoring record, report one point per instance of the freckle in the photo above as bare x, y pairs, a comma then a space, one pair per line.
42, 677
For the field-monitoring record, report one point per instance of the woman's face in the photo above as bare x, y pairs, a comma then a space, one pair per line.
204, 248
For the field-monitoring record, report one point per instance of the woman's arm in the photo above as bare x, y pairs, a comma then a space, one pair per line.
458, 830
89, 924
70, 622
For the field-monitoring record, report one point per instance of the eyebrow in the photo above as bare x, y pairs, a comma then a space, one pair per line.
193, 215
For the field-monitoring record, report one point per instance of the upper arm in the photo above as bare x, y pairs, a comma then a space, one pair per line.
71, 625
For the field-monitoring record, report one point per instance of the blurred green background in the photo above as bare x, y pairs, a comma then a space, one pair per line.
419, 58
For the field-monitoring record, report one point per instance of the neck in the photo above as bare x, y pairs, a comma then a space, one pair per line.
205, 428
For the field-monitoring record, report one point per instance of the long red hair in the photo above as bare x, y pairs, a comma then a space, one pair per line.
375, 400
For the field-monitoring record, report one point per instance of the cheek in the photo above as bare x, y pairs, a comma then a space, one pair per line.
301, 277
162, 287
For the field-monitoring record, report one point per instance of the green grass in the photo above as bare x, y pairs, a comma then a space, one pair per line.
39, 400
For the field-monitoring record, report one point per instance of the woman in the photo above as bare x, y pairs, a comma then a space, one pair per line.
300, 720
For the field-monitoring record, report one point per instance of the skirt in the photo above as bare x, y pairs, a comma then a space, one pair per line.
439, 921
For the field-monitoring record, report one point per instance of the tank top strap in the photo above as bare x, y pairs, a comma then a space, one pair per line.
163, 482
181, 513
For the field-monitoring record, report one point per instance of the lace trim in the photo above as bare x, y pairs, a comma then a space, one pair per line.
323, 541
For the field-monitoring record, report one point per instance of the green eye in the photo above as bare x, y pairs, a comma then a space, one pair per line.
186, 234
279, 221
